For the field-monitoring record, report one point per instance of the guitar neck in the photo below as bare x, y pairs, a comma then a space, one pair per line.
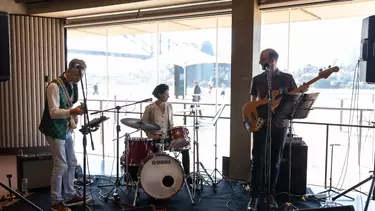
297, 90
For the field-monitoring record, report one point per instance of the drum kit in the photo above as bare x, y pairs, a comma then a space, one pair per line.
148, 166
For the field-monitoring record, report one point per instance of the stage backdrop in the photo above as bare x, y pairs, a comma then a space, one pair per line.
37, 50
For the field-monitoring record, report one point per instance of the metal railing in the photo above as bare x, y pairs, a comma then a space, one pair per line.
187, 104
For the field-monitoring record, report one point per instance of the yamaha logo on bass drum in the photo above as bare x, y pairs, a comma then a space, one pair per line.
157, 162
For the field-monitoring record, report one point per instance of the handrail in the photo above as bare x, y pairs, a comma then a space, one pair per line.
327, 125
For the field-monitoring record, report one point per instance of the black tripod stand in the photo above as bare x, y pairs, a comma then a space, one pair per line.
371, 193
19, 196
85, 130
215, 182
293, 106
331, 189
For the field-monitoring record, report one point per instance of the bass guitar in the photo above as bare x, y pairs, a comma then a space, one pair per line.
254, 118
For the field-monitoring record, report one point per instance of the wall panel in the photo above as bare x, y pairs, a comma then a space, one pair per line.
37, 50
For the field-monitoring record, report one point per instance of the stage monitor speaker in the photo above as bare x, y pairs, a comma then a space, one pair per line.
341, 208
367, 60
4, 47
299, 168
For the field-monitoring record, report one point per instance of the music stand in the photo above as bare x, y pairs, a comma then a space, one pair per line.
293, 106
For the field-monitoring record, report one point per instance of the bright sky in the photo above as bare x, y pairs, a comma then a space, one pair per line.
316, 42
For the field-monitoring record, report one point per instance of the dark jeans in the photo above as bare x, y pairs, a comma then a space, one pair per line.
278, 136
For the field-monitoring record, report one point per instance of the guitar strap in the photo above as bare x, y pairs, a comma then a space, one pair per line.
62, 85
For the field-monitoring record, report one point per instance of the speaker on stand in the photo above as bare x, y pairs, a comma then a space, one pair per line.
367, 60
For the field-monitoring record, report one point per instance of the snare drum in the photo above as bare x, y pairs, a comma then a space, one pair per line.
179, 138
161, 176
139, 149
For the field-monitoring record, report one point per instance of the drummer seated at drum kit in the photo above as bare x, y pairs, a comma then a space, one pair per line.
161, 113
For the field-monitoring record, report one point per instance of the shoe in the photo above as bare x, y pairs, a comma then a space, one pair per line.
251, 206
272, 203
77, 200
60, 207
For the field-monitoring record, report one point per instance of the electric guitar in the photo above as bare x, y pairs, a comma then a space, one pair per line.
73, 119
253, 119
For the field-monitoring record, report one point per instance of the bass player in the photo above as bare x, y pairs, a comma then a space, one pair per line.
285, 83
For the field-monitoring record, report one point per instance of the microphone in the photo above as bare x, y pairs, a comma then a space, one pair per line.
145, 100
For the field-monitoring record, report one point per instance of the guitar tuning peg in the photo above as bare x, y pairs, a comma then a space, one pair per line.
320, 70
329, 66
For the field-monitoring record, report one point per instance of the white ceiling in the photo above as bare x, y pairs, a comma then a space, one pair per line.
307, 13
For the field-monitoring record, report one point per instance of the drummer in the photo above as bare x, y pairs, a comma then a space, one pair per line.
161, 113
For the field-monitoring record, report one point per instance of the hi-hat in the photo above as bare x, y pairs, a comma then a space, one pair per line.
138, 124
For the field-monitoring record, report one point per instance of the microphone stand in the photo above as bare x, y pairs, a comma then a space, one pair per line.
118, 129
214, 120
267, 149
85, 130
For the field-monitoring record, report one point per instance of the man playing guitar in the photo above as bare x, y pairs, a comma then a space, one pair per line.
259, 90
57, 123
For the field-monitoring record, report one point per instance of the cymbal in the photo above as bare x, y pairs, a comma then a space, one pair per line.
138, 124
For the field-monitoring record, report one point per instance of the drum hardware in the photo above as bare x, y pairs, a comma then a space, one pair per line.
128, 122
196, 175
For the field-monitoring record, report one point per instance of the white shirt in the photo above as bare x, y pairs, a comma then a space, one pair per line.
153, 114
53, 98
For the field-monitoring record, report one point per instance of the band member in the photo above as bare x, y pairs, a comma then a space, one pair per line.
259, 90
161, 113
56, 124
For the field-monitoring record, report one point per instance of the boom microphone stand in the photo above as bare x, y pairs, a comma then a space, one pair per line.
118, 129
84, 130
19, 196
214, 120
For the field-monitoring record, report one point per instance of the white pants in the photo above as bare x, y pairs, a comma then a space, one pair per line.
64, 163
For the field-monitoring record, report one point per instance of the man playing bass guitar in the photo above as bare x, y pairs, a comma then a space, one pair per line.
285, 83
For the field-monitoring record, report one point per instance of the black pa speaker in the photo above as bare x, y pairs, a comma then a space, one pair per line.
367, 62
341, 208
298, 171
4, 47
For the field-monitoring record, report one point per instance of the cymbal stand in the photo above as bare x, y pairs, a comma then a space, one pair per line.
196, 174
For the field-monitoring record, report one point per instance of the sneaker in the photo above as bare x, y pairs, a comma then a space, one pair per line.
272, 203
251, 206
60, 207
77, 200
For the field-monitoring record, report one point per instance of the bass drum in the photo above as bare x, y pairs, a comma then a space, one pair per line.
161, 176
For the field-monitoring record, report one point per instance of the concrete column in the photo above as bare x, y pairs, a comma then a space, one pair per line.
246, 22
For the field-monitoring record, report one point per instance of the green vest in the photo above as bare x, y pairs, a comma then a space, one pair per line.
57, 128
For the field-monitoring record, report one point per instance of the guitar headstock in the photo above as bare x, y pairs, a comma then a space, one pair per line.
327, 72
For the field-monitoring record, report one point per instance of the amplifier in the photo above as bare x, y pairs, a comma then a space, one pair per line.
341, 208
299, 168
37, 168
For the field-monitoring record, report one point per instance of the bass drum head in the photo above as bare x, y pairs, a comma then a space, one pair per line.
161, 176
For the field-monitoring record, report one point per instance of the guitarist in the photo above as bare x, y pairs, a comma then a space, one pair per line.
259, 90
55, 124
